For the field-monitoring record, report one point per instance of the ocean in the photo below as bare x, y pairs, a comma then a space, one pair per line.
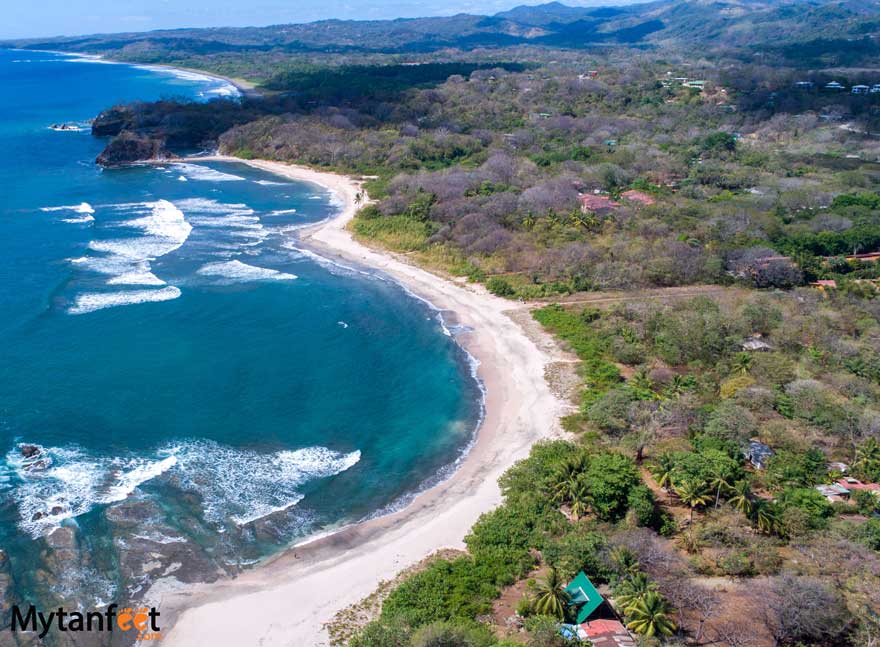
185, 389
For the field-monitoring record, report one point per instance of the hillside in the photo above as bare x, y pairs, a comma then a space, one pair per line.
694, 24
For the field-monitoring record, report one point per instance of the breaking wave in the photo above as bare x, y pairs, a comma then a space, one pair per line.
244, 485
241, 486
205, 173
84, 209
63, 483
236, 272
92, 301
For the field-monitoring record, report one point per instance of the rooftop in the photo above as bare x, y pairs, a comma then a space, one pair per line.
638, 196
592, 202
607, 633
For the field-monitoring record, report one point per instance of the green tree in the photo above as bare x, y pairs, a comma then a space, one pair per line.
633, 589
694, 494
810, 502
609, 478
651, 616
742, 363
867, 462
663, 470
720, 482
766, 518
625, 561
551, 599
741, 497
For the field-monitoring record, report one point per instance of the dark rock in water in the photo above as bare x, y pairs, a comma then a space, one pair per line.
113, 121
37, 516
29, 451
128, 147
63, 538
38, 465
133, 513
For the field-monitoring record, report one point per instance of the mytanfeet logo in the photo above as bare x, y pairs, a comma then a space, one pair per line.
142, 620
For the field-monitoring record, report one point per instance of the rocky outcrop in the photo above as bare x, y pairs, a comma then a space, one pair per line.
128, 147
113, 121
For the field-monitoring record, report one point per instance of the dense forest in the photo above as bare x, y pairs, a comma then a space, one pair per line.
594, 160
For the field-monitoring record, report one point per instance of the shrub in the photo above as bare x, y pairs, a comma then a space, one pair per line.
453, 634
500, 287
610, 479
641, 503
731, 423
610, 412
370, 212
810, 502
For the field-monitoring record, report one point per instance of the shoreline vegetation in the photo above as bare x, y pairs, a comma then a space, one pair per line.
293, 594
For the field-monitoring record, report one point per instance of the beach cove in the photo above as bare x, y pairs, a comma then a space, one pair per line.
288, 599
185, 389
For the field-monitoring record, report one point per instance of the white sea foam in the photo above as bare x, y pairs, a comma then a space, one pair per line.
166, 221
332, 266
236, 272
83, 208
80, 220
140, 472
271, 183
225, 88
92, 301
136, 277
281, 212
242, 485
208, 205
71, 483
127, 260
205, 173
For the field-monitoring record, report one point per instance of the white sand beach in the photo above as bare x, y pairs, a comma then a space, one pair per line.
285, 601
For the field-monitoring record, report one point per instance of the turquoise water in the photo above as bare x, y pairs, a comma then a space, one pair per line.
165, 339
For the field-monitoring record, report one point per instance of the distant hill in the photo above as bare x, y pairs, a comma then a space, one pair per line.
702, 24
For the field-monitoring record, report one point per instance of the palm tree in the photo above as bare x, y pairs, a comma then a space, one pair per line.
358, 197
720, 481
650, 616
694, 494
743, 362
867, 457
663, 470
642, 381
580, 500
565, 480
766, 518
741, 497
551, 599
633, 589
678, 386
625, 560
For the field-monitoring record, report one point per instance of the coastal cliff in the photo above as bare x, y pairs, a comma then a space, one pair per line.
162, 129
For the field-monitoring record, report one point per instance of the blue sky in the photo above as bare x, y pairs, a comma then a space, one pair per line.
73, 17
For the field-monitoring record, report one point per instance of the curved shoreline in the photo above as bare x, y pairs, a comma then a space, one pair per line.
287, 599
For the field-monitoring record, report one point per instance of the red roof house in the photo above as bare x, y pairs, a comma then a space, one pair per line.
855, 484
606, 633
596, 203
639, 197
